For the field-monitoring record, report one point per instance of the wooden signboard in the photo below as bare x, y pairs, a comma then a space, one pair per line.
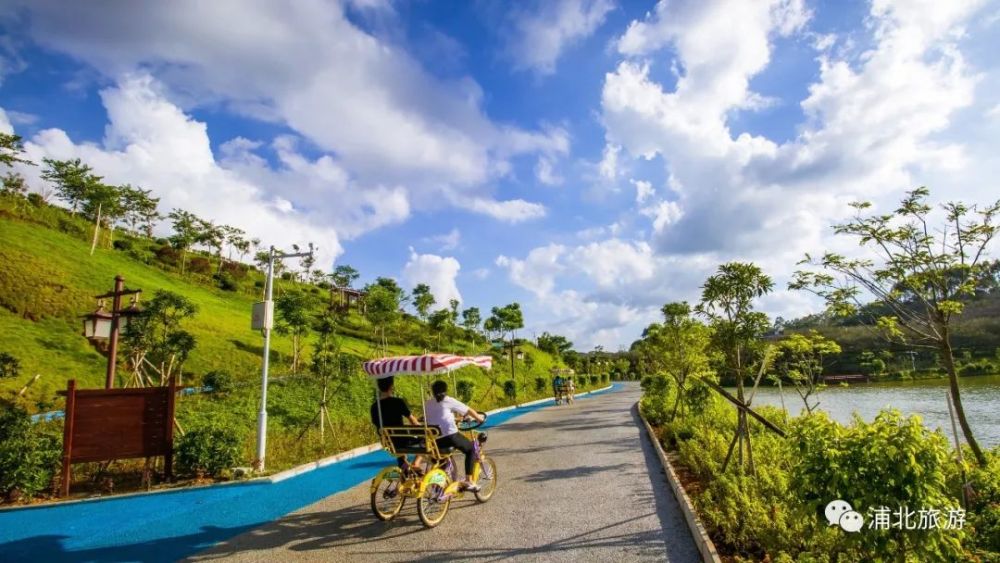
107, 424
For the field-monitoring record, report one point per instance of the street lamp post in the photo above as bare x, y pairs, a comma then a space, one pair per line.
263, 319
104, 325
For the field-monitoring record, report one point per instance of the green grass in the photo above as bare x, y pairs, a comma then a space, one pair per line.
49, 280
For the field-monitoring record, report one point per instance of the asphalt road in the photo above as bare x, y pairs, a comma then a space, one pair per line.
577, 483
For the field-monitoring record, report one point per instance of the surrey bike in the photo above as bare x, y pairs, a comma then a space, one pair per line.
437, 485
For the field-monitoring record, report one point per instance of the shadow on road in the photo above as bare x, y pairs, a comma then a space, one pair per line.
573, 472
51, 548
355, 529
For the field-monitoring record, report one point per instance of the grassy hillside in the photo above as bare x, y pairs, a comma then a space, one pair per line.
48, 281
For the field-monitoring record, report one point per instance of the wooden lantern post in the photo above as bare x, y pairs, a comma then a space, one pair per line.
101, 324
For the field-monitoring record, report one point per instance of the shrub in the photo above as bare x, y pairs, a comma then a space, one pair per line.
891, 462
28, 455
982, 367
220, 381
464, 390
141, 255
36, 199
122, 244
984, 509
9, 365
594, 379
226, 282
166, 254
209, 450
72, 227
540, 384
510, 389
655, 399
237, 270
199, 265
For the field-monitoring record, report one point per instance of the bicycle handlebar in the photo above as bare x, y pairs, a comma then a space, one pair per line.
467, 425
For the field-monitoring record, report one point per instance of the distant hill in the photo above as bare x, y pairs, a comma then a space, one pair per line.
975, 337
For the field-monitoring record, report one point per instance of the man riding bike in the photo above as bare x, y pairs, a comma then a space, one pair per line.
394, 411
440, 412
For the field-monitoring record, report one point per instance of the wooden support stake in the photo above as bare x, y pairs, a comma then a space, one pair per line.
726, 395
68, 436
168, 458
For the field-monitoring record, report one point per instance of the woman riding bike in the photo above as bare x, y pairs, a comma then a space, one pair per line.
440, 412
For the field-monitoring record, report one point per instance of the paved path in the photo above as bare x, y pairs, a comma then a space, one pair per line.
577, 483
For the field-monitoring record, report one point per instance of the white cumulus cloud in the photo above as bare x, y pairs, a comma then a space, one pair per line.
544, 31
438, 272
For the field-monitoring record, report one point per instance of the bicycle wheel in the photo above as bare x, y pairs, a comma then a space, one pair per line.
386, 499
433, 504
487, 479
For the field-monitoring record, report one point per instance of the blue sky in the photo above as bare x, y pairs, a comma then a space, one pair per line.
591, 159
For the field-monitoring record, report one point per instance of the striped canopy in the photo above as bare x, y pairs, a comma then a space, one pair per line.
423, 365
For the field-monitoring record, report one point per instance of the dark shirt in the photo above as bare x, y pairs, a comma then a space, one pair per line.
394, 410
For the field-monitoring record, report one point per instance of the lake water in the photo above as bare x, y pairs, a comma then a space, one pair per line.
927, 398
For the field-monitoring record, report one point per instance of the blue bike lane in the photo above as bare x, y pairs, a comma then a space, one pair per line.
170, 525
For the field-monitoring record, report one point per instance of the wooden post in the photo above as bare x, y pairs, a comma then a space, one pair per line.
68, 435
116, 304
168, 458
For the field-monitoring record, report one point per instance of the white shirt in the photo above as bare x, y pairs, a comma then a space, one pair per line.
443, 414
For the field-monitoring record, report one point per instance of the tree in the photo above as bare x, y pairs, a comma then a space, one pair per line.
440, 322
73, 180
727, 301
682, 342
381, 309
344, 275
325, 364
186, 227
155, 341
139, 209
507, 320
14, 185
11, 149
423, 300
293, 320
470, 322
234, 237
800, 360
393, 287
237, 240
211, 236
921, 275
308, 261
103, 204
554, 344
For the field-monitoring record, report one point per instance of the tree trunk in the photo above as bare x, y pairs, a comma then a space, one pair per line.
97, 230
947, 357
677, 401
322, 416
